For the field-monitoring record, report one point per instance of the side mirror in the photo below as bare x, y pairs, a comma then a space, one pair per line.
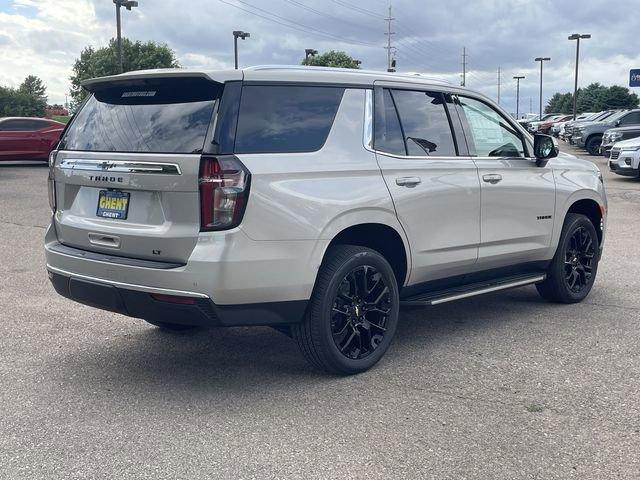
544, 148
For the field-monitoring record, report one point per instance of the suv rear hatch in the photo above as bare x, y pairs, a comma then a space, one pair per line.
126, 170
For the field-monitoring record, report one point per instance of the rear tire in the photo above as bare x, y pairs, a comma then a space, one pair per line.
575, 264
593, 145
170, 327
353, 312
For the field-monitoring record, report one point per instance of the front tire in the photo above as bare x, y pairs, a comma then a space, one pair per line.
593, 145
353, 312
575, 264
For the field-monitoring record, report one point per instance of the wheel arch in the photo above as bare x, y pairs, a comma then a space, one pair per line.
381, 237
592, 210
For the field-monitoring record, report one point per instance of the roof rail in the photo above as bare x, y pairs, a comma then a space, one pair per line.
353, 71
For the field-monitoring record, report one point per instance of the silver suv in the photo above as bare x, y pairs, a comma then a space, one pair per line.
317, 201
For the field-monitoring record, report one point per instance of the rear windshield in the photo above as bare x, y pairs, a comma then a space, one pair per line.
161, 116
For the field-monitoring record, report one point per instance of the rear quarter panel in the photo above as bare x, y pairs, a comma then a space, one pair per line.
313, 196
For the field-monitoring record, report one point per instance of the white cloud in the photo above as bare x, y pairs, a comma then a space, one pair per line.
44, 37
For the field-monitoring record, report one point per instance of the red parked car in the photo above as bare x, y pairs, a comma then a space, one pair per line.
28, 138
546, 126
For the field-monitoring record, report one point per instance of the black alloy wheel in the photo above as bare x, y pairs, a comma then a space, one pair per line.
360, 311
579, 258
572, 271
353, 312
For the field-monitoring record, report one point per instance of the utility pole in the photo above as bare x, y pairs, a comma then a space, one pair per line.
389, 48
499, 79
531, 105
128, 4
517, 78
464, 67
238, 34
541, 60
577, 36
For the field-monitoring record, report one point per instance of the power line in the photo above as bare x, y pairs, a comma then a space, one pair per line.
295, 25
420, 40
358, 9
323, 14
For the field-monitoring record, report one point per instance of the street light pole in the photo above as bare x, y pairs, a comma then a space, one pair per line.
309, 52
577, 37
242, 35
517, 78
541, 60
128, 4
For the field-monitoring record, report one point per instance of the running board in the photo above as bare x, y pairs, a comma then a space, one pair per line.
471, 290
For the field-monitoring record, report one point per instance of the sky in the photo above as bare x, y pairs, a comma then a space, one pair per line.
44, 37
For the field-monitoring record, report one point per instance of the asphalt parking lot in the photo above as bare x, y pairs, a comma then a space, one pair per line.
503, 386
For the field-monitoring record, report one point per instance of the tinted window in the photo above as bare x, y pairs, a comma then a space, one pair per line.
388, 134
280, 118
22, 125
161, 116
489, 134
632, 118
425, 123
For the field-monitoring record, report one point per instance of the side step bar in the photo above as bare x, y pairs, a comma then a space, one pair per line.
471, 290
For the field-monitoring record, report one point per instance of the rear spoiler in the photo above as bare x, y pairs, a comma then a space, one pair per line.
221, 76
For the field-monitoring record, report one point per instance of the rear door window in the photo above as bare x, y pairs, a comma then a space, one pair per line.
283, 118
388, 133
425, 123
154, 115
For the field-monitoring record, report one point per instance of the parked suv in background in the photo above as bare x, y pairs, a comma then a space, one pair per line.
614, 135
571, 128
589, 135
558, 127
625, 158
314, 200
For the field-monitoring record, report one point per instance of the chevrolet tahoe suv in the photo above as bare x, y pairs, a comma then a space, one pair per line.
615, 135
589, 134
624, 158
316, 201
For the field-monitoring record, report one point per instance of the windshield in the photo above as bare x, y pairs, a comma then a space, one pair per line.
616, 116
159, 116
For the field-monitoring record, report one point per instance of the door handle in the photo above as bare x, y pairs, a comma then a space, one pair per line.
492, 178
408, 181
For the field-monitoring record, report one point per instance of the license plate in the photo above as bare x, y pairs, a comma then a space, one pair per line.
113, 204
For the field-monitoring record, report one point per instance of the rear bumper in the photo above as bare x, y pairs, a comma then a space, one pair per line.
196, 309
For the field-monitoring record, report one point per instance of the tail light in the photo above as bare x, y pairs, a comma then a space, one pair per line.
51, 184
224, 191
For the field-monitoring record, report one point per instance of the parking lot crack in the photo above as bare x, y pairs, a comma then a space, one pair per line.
6, 222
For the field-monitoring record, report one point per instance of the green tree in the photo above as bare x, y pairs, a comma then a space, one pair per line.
34, 86
104, 61
331, 58
559, 102
590, 98
593, 98
17, 103
618, 97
